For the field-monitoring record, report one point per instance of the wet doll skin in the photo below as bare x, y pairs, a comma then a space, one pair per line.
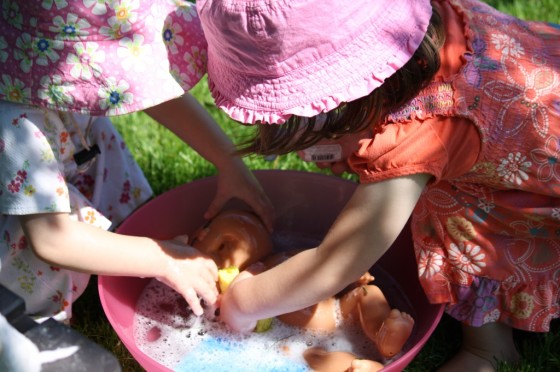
239, 238
234, 238
387, 328
336, 361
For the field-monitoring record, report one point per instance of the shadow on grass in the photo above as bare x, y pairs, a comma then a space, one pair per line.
89, 319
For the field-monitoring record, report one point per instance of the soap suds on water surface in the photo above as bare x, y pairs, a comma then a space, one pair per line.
169, 333
166, 330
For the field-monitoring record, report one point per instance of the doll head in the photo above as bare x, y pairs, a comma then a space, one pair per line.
234, 238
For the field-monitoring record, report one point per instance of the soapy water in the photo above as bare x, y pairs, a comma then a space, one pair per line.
168, 332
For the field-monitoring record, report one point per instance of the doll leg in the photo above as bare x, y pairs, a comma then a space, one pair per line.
394, 332
387, 328
482, 348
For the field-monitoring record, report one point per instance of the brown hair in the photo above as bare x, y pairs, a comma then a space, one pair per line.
351, 117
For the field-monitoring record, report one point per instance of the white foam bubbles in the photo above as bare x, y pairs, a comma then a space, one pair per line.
167, 331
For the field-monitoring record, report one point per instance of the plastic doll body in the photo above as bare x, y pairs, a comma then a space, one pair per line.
387, 328
239, 238
336, 361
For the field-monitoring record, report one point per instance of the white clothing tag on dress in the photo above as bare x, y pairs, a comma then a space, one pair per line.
320, 153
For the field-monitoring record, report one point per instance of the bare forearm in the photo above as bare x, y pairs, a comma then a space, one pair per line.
73, 245
282, 289
304, 280
362, 233
186, 118
80, 247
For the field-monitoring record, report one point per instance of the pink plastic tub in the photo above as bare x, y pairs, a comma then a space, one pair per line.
306, 203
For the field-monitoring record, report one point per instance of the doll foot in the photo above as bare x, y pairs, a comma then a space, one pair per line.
364, 365
321, 360
394, 333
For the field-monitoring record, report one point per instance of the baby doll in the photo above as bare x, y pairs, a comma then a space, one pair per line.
239, 238
387, 328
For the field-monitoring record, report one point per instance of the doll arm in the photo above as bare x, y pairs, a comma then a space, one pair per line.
364, 230
186, 118
73, 245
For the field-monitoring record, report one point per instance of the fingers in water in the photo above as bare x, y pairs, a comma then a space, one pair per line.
193, 301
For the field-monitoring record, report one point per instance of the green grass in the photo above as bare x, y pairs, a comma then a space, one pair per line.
168, 163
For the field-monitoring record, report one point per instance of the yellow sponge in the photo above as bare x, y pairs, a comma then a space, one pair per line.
226, 276
263, 325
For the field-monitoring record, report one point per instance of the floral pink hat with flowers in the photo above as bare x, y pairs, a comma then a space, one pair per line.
270, 59
99, 57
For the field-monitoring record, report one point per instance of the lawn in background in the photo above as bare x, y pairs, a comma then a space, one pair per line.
168, 163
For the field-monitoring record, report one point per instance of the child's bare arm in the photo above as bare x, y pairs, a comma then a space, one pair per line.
186, 118
59, 240
364, 230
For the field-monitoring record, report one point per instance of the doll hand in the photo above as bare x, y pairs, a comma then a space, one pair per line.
229, 311
240, 183
190, 273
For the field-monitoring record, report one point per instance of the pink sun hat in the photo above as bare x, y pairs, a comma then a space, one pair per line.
97, 57
270, 59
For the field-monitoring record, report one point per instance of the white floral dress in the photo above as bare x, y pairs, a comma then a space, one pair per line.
63, 62
39, 174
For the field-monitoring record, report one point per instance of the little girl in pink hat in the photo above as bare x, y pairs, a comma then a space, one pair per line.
66, 176
449, 112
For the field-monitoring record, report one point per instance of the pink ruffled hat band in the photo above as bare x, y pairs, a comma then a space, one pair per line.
270, 59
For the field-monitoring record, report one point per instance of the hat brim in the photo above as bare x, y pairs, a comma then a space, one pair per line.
349, 73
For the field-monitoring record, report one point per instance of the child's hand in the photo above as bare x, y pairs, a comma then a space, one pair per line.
206, 137
229, 311
239, 182
190, 273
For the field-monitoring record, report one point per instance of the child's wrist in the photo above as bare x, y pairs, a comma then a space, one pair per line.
234, 165
163, 263
234, 316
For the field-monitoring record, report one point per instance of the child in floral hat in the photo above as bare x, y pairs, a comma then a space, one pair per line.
451, 111
66, 176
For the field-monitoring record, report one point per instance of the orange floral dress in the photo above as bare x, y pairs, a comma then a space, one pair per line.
487, 228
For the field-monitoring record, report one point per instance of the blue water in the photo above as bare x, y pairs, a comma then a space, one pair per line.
215, 354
